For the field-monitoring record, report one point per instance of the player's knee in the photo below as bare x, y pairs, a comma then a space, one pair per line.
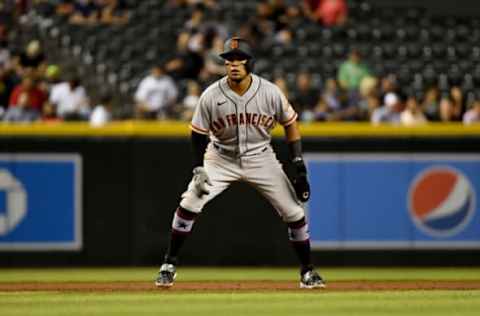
192, 202
298, 230
183, 221
294, 214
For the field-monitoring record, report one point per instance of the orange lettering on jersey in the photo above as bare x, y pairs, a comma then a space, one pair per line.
229, 120
262, 120
254, 116
217, 125
212, 128
241, 120
222, 122
234, 119
248, 118
269, 122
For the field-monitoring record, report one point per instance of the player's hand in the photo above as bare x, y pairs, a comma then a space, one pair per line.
200, 181
300, 182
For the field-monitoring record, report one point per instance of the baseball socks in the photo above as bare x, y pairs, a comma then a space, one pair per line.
300, 240
182, 225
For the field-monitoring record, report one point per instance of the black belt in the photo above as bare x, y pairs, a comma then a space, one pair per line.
232, 153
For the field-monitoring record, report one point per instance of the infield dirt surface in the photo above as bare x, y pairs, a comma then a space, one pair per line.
232, 286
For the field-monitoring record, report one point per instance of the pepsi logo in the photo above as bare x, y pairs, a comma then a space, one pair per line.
441, 201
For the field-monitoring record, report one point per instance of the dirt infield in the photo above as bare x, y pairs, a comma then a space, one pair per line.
246, 286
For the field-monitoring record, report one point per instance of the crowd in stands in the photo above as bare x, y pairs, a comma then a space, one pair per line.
355, 93
30, 89
84, 12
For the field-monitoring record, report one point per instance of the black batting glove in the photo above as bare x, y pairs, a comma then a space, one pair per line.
300, 182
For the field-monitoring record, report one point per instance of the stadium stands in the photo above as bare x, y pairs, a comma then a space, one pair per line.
418, 48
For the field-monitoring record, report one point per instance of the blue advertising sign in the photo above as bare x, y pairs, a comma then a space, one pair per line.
40, 202
394, 201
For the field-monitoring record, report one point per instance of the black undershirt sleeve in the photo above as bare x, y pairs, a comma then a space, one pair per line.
295, 149
199, 145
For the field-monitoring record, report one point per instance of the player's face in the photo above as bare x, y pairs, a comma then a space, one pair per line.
236, 69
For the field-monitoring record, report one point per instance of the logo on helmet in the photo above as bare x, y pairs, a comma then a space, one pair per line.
234, 43
441, 201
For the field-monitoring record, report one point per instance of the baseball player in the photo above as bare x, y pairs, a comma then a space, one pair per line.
231, 140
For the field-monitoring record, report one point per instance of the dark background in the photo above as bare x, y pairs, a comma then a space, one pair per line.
132, 185
442, 7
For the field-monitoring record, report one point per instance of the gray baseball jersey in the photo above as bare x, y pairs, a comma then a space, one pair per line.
241, 124
239, 128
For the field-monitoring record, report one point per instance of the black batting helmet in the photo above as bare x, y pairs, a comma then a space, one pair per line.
238, 47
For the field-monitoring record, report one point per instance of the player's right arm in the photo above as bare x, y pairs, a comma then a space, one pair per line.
200, 139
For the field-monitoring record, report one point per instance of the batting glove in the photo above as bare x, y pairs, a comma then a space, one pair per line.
200, 181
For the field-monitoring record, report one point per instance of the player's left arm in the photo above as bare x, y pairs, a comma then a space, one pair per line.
288, 118
300, 182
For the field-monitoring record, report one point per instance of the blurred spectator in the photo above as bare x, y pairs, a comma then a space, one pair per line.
293, 16
85, 12
458, 102
306, 96
102, 112
70, 100
352, 71
367, 106
5, 55
282, 84
473, 114
254, 33
327, 12
334, 104
321, 111
447, 109
331, 95
272, 11
36, 97
368, 91
210, 4
196, 20
155, 95
187, 64
65, 7
412, 115
50, 78
389, 112
430, 105
190, 101
22, 111
330, 101
283, 37
49, 113
7, 84
388, 84
274, 23
214, 64
113, 11
46, 8
33, 60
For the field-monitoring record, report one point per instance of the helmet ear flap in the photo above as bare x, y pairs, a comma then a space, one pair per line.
250, 65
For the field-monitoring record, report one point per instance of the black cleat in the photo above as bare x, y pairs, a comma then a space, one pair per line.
311, 280
166, 275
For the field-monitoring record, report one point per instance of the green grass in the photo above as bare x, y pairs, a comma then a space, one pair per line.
291, 303
434, 303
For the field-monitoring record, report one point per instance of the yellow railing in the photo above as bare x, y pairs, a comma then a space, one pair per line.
180, 129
